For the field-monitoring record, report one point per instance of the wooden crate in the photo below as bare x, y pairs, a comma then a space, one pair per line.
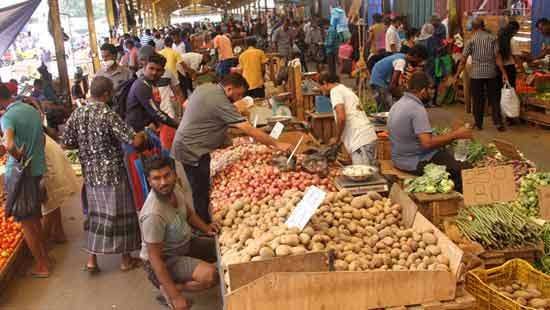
14, 263
309, 102
323, 126
302, 282
383, 149
437, 207
494, 258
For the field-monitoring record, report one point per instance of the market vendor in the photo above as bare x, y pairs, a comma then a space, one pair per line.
413, 144
175, 259
209, 113
386, 73
353, 127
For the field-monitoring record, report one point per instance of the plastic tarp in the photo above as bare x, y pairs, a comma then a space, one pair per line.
541, 8
12, 19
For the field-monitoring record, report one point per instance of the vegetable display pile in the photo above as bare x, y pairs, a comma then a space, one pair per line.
10, 234
524, 294
435, 180
528, 196
544, 263
252, 176
497, 226
365, 232
477, 151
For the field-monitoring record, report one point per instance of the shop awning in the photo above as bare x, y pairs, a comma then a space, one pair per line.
12, 19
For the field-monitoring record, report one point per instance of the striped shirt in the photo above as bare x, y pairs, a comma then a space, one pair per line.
145, 39
483, 47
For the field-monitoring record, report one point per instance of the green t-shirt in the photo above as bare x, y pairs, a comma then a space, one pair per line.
26, 123
162, 223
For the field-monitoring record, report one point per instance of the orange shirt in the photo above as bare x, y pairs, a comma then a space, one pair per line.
223, 44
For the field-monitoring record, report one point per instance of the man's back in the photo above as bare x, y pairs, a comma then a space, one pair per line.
383, 69
408, 118
483, 48
172, 59
223, 44
26, 124
252, 61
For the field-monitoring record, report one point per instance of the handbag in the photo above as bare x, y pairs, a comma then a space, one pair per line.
23, 196
509, 101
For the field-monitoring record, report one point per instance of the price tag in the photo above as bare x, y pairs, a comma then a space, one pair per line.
300, 216
544, 201
488, 185
277, 130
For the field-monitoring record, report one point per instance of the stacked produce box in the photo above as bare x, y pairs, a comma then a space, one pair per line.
252, 200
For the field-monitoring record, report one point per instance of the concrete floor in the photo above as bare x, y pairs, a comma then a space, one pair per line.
71, 288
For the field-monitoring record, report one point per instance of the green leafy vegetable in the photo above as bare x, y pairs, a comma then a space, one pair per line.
435, 180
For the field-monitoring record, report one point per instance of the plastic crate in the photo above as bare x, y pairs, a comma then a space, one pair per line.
477, 284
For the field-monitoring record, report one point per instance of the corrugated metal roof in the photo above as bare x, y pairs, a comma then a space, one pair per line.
418, 12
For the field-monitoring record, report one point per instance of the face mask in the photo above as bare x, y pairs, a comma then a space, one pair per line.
107, 63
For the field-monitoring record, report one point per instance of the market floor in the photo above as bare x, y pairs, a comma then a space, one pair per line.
71, 288
533, 142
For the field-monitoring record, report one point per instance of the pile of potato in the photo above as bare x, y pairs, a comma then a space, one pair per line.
365, 232
524, 294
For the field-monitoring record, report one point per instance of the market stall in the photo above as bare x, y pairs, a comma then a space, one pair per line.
12, 247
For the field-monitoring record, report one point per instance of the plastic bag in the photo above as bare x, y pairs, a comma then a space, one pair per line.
509, 101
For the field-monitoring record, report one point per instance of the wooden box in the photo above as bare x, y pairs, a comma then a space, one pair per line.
13, 264
437, 207
303, 282
494, 258
383, 149
323, 126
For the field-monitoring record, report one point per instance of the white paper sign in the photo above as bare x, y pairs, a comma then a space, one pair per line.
300, 216
277, 130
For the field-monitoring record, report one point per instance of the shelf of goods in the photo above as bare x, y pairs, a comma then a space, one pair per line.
353, 254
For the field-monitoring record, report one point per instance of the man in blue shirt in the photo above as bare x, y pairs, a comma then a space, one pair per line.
386, 73
24, 140
413, 144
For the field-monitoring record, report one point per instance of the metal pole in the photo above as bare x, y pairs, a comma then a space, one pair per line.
123, 17
59, 47
93, 35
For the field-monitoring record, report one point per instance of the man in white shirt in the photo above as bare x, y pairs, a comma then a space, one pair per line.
353, 127
192, 65
393, 42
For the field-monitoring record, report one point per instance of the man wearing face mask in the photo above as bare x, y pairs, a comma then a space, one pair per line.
210, 111
413, 144
111, 70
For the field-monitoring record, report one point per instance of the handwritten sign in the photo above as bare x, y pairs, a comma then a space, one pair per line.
507, 149
488, 185
300, 216
277, 130
544, 201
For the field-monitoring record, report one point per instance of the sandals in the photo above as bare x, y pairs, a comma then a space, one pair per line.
92, 270
132, 264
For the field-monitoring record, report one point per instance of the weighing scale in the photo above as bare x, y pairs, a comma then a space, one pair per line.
376, 183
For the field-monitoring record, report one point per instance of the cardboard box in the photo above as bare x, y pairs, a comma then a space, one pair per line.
303, 282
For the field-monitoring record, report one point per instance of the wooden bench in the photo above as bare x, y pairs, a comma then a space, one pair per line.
393, 174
